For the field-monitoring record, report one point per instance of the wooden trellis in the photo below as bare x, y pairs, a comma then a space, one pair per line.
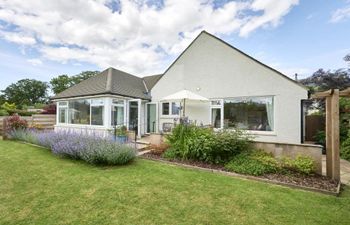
332, 129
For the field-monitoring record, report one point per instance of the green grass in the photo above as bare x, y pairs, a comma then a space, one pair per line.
38, 188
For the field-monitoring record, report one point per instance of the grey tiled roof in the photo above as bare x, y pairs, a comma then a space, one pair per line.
150, 81
112, 81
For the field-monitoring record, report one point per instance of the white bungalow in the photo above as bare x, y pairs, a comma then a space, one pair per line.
236, 90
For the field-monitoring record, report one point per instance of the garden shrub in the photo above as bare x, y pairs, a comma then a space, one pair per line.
90, 148
345, 149
3, 112
158, 149
170, 153
254, 162
301, 164
203, 144
259, 162
15, 122
23, 135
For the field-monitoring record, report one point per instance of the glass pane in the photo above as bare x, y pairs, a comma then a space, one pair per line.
97, 101
117, 116
254, 113
151, 118
63, 103
118, 102
165, 108
97, 115
62, 112
79, 112
133, 115
216, 118
216, 102
175, 108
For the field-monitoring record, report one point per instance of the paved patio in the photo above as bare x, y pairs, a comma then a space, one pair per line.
344, 170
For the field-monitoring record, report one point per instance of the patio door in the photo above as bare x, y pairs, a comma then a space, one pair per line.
151, 117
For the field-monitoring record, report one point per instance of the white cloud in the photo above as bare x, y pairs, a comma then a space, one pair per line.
139, 37
18, 38
273, 12
340, 14
35, 62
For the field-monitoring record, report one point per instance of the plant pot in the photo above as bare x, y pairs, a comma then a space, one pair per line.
121, 139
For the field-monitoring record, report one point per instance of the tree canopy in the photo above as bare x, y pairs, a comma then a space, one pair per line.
26, 92
62, 82
322, 80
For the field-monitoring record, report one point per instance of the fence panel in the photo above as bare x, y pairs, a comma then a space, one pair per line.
313, 124
44, 121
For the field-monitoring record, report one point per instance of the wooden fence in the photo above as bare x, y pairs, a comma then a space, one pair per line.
43, 121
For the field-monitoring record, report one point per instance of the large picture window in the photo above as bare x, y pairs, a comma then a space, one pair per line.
249, 113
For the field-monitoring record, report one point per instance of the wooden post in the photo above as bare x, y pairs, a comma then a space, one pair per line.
335, 136
329, 161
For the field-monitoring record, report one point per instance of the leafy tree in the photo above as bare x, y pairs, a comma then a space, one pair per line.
323, 80
2, 99
62, 82
347, 58
26, 92
83, 76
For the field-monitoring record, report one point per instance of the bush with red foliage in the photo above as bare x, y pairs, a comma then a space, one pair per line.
158, 149
49, 109
15, 122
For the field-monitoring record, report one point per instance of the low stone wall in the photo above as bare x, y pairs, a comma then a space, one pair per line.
280, 150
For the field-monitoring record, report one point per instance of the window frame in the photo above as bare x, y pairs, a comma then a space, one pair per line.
262, 132
59, 106
91, 104
171, 109
122, 103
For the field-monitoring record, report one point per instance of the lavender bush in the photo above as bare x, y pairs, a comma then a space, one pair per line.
26, 135
93, 149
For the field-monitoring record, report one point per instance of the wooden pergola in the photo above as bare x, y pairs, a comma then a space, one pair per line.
332, 129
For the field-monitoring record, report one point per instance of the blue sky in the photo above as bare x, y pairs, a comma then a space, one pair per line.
41, 41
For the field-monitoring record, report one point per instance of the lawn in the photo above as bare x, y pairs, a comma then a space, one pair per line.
38, 188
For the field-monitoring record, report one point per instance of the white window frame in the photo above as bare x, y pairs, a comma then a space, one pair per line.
257, 132
103, 113
66, 107
124, 105
221, 107
170, 109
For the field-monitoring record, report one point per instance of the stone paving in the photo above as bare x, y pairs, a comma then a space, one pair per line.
344, 170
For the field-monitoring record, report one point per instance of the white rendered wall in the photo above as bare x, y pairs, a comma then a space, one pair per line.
214, 70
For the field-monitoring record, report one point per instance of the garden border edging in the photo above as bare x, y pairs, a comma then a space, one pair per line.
231, 174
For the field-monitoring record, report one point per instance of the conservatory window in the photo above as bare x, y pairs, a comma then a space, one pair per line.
79, 111
97, 111
117, 113
62, 112
249, 113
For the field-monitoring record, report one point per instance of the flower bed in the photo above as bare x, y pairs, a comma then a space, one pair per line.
313, 181
231, 151
93, 149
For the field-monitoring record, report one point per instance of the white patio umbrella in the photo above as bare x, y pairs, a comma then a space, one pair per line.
184, 95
